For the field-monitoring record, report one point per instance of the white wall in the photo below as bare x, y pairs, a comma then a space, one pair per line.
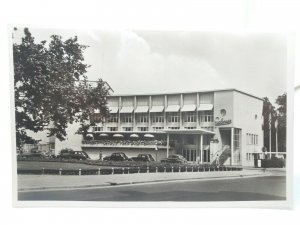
245, 109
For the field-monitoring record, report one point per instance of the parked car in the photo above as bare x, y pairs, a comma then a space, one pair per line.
117, 156
71, 154
143, 158
174, 159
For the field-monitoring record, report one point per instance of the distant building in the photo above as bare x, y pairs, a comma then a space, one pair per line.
45, 147
201, 126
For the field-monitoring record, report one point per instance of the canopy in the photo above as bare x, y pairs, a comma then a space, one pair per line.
172, 108
188, 108
157, 108
134, 135
113, 109
126, 109
203, 107
103, 135
149, 135
118, 135
141, 109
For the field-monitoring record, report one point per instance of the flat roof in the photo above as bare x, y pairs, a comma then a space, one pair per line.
190, 92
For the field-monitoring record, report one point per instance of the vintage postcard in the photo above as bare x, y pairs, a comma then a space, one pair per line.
151, 118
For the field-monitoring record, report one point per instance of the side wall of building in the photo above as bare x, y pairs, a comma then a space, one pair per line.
248, 117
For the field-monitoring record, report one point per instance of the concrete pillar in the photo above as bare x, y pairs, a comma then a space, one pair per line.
165, 114
197, 112
149, 114
119, 114
133, 113
180, 113
201, 148
232, 146
168, 141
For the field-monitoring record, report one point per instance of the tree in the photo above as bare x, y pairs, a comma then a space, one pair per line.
278, 114
51, 88
269, 116
281, 119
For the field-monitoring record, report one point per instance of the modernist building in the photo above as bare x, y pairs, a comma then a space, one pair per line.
201, 126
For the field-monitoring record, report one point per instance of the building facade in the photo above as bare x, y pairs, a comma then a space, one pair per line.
223, 125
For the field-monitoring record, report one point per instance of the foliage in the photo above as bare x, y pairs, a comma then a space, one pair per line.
277, 114
51, 88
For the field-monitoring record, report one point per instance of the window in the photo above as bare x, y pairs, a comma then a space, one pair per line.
189, 117
190, 128
252, 139
127, 128
158, 128
206, 116
143, 118
98, 129
237, 138
127, 118
173, 117
143, 128
174, 128
223, 112
158, 118
113, 118
96, 118
112, 128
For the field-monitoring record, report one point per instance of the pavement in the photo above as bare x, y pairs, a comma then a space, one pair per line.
56, 182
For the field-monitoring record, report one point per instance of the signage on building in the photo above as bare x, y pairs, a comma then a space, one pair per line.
222, 121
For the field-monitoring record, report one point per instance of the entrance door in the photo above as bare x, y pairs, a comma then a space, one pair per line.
189, 154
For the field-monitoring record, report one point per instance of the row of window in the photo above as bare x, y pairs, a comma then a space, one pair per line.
252, 139
97, 129
159, 118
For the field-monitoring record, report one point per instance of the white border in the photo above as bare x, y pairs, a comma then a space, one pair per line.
215, 204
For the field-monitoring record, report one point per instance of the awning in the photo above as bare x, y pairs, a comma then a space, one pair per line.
157, 108
188, 108
113, 109
103, 135
141, 109
172, 108
118, 135
149, 135
126, 109
134, 136
204, 107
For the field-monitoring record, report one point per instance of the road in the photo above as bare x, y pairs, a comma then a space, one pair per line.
238, 189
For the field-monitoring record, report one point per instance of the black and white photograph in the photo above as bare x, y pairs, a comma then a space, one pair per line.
149, 116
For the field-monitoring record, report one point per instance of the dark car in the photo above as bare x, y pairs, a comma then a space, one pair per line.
174, 159
70, 154
118, 156
143, 158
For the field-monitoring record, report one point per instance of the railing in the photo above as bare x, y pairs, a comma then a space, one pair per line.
223, 155
131, 170
124, 142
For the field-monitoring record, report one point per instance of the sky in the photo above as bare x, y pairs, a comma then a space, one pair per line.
142, 62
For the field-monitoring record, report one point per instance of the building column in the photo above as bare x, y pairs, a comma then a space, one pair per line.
197, 112
133, 113
168, 142
201, 148
149, 114
119, 114
232, 146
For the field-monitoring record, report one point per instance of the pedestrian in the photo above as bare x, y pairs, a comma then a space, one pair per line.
218, 160
100, 155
